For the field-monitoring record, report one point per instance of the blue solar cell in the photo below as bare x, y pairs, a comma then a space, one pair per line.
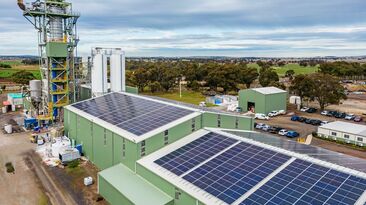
237, 170
133, 114
192, 154
305, 183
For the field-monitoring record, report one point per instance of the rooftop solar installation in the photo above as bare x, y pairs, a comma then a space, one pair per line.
194, 153
133, 114
305, 183
316, 152
237, 170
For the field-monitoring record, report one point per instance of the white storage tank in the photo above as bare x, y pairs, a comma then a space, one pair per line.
35, 89
99, 72
117, 74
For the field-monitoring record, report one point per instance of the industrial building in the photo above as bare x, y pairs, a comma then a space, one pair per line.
345, 132
263, 100
155, 152
55, 21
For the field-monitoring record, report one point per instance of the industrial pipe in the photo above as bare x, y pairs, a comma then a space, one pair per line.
21, 5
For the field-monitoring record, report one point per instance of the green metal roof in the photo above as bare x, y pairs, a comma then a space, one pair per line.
133, 186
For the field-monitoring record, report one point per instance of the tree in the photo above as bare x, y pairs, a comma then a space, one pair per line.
290, 74
268, 76
22, 77
327, 90
248, 76
169, 78
141, 78
323, 88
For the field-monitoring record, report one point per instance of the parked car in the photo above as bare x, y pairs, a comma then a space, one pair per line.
358, 119
332, 113
275, 130
308, 121
295, 118
316, 122
311, 110
302, 119
266, 128
202, 104
349, 117
283, 132
273, 114
340, 115
292, 134
282, 112
261, 116
325, 112
304, 109
259, 126
324, 122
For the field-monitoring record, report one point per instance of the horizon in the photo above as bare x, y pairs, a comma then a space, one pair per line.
234, 28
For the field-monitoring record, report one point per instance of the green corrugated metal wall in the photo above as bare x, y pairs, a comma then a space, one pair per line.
263, 103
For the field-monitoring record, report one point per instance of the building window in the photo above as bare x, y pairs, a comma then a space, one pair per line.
105, 137
334, 134
360, 139
218, 120
166, 137
177, 194
236, 123
193, 125
346, 136
123, 148
143, 148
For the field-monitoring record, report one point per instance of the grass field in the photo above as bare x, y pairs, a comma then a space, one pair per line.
190, 97
292, 66
7, 73
18, 66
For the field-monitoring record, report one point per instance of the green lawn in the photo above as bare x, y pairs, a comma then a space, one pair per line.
292, 66
190, 97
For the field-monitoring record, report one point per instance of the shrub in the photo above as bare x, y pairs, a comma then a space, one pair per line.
73, 164
9, 167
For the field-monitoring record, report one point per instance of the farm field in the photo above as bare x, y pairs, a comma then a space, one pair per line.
16, 67
292, 66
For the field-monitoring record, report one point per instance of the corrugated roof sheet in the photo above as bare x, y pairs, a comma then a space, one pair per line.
269, 90
347, 127
132, 186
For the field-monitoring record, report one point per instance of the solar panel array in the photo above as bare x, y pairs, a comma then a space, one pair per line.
133, 114
194, 153
305, 183
241, 166
234, 172
316, 152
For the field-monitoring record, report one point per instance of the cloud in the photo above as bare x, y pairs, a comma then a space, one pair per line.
205, 27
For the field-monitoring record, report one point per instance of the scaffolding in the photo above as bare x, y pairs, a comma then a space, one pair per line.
55, 22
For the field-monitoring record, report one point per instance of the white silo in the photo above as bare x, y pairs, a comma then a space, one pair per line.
117, 72
99, 82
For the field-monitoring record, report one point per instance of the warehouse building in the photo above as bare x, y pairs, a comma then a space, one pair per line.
155, 152
263, 100
345, 132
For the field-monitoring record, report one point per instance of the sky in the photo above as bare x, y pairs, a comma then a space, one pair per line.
237, 28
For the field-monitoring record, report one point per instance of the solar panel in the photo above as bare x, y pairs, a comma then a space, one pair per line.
194, 153
316, 152
305, 183
133, 114
234, 172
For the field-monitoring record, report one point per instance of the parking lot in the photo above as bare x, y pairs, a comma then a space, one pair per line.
284, 121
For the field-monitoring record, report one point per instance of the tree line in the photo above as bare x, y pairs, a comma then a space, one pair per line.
233, 76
